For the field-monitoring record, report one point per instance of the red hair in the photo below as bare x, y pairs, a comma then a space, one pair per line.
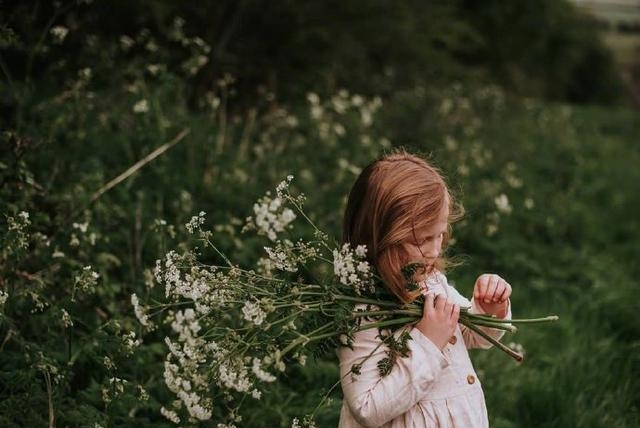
391, 198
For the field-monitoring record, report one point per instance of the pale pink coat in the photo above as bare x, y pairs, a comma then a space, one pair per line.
430, 388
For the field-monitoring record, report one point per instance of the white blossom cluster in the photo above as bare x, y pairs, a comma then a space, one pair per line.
234, 375
195, 405
183, 377
186, 325
352, 268
253, 313
66, 319
208, 289
81, 236
261, 374
114, 389
169, 274
130, 342
270, 215
59, 33
265, 266
286, 255
141, 313
234, 378
170, 415
3, 298
502, 204
511, 177
307, 422
86, 280
281, 256
283, 187
108, 363
17, 226
196, 222
341, 103
192, 355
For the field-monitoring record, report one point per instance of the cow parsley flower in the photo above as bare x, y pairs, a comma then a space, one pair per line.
281, 256
170, 415
141, 314
195, 222
261, 374
234, 379
502, 204
271, 216
130, 342
253, 313
141, 106
186, 325
351, 269
3, 297
283, 186
59, 33
66, 319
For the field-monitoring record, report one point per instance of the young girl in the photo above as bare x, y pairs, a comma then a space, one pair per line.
401, 209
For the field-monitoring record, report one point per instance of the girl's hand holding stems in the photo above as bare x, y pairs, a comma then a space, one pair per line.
439, 319
440, 314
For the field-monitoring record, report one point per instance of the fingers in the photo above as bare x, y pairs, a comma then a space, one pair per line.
447, 307
490, 288
452, 310
428, 304
439, 306
455, 314
503, 292
440, 319
480, 288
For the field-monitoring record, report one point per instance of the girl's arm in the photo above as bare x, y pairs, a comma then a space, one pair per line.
374, 399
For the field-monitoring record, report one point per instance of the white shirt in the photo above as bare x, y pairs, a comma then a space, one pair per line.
429, 388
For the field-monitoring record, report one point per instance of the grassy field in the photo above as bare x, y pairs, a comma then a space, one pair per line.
105, 160
566, 240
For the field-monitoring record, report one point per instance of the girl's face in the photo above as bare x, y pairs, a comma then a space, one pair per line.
426, 244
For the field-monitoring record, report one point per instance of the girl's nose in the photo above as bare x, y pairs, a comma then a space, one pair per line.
432, 251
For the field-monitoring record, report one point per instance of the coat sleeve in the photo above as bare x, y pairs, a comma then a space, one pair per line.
374, 399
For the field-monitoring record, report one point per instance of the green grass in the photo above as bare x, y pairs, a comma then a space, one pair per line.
568, 246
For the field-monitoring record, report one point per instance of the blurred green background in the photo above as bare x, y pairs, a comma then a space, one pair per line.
530, 109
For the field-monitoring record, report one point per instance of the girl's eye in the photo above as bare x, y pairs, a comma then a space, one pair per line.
431, 238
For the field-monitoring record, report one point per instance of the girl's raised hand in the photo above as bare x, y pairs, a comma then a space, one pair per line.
439, 319
492, 294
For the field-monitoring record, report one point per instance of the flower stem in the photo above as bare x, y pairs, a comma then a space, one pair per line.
364, 300
387, 312
489, 323
515, 355
397, 321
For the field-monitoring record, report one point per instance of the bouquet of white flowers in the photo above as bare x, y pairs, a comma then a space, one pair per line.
234, 329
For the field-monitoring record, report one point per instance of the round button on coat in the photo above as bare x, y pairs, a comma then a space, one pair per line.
453, 340
471, 379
